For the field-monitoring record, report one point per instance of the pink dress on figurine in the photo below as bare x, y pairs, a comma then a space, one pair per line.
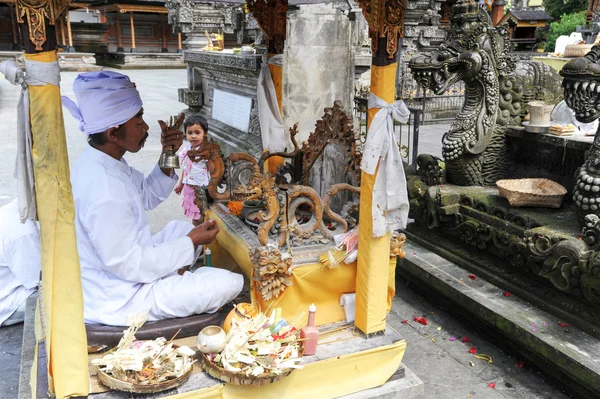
195, 174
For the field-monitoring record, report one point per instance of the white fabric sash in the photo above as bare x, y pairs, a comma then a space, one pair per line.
390, 197
38, 74
271, 123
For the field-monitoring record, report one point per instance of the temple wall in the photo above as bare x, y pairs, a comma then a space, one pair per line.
148, 33
318, 65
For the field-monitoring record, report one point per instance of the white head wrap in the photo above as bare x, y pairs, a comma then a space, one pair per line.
105, 99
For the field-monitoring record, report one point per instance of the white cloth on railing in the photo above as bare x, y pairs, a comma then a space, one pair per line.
269, 117
38, 74
390, 197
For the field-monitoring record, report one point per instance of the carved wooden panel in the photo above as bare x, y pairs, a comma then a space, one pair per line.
385, 18
271, 18
35, 13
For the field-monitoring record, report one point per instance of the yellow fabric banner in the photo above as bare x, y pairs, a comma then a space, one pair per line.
62, 297
312, 283
374, 269
330, 378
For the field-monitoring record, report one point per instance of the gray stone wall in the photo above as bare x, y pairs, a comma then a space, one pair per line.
318, 65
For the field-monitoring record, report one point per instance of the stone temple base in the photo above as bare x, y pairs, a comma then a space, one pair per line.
534, 335
539, 254
122, 60
75, 62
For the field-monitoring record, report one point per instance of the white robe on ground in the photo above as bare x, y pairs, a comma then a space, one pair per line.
124, 269
19, 259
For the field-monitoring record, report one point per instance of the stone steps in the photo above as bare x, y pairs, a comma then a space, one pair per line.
566, 353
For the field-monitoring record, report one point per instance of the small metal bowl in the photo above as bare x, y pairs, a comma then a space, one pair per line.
535, 128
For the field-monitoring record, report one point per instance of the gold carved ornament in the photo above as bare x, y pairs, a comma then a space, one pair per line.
272, 271
35, 13
396, 243
271, 18
385, 18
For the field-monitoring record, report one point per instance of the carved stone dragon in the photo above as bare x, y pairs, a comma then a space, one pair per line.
475, 149
582, 94
281, 195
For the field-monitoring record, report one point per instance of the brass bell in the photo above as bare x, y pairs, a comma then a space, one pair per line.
168, 159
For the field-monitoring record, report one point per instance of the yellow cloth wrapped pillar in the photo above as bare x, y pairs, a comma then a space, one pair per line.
62, 297
373, 284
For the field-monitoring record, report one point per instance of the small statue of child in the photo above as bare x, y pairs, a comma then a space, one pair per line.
195, 175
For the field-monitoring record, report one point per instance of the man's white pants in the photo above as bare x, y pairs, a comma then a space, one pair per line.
203, 291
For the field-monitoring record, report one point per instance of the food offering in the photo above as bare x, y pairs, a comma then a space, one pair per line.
144, 366
259, 351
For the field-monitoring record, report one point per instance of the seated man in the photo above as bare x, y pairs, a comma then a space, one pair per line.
124, 269
19, 263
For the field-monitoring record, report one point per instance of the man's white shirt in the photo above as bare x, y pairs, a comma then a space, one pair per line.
118, 254
19, 259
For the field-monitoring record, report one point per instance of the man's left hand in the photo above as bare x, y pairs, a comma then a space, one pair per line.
173, 136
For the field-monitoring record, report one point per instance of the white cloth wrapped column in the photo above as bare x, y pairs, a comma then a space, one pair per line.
390, 197
271, 123
38, 74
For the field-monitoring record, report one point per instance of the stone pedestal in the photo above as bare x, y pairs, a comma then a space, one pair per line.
195, 41
317, 66
235, 74
141, 60
77, 62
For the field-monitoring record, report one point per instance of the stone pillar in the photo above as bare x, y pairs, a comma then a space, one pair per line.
13, 25
360, 42
70, 48
318, 65
195, 41
132, 50
194, 19
119, 37
422, 32
497, 11
164, 48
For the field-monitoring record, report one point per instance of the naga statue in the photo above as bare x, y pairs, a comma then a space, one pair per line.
475, 148
581, 83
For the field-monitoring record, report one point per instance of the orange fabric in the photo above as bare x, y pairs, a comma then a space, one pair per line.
373, 271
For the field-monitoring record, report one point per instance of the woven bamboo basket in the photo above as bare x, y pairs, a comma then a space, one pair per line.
120, 385
237, 378
532, 192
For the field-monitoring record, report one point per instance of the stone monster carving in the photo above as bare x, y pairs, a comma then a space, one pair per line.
475, 52
582, 94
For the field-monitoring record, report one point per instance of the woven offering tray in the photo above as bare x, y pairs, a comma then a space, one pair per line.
238, 378
120, 385
532, 192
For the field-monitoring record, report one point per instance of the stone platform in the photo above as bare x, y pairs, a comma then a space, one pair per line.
403, 384
541, 254
121, 60
567, 353
69, 62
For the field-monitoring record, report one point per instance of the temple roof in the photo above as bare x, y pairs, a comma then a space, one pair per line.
529, 15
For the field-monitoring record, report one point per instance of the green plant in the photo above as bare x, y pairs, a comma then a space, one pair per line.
557, 8
568, 24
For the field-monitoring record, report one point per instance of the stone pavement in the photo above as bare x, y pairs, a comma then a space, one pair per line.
443, 365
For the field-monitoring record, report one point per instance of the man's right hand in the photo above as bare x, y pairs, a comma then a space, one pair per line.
205, 233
